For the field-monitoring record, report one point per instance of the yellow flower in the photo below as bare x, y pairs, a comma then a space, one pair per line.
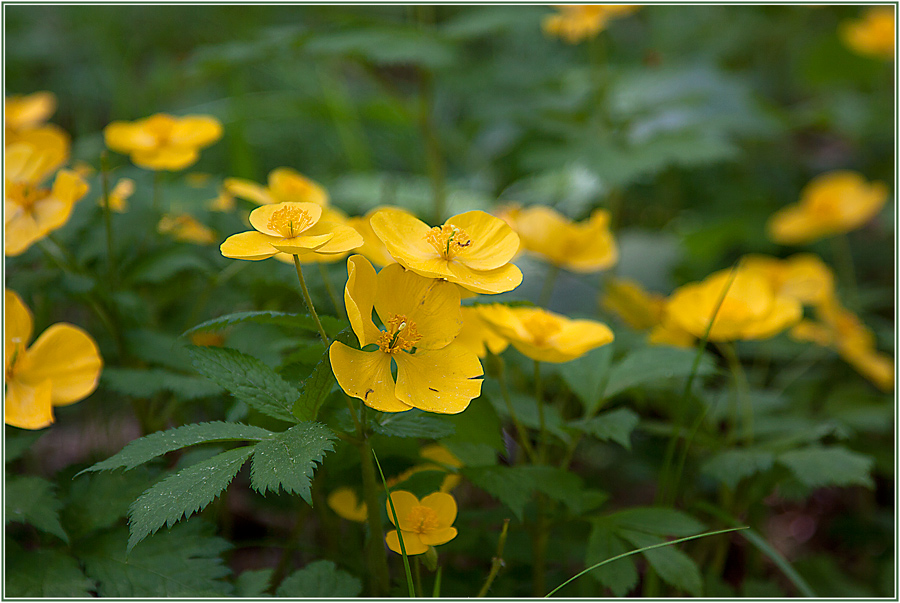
339, 223
290, 228
285, 185
30, 210
442, 458
543, 335
62, 367
574, 23
27, 112
118, 196
873, 35
345, 503
83, 169
421, 318
472, 249
803, 276
583, 247
373, 249
186, 228
423, 523
163, 142
751, 308
830, 204
479, 336
643, 310
223, 203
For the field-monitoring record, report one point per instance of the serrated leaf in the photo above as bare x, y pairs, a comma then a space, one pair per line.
99, 500
44, 574
183, 494
248, 379
654, 364
32, 500
731, 466
144, 383
414, 424
615, 425
318, 580
818, 466
289, 459
157, 444
656, 520
512, 486
182, 562
586, 376
559, 485
332, 325
315, 389
619, 576
253, 583
672, 565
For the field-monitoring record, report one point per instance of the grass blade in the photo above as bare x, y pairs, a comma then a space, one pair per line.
409, 580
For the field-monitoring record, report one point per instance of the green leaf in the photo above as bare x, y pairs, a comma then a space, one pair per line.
731, 466
32, 500
479, 424
818, 466
183, 494
144, 383
414, 424
162, 267
318, 580
672, 565
387, 45
615, 425
332, 325
157, 444
559, 485
248, 379
512, 486
182, 562
619, 576
43, 573
586, 376
654, 364
656, 520
253, 583
98, 500
315, 389
18, 441
289, 459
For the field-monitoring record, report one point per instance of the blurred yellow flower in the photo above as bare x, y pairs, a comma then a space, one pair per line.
874, 34
479, 336
290, 228
62, 367
373, 249
442, 458
185, 227
803, 276
30, 210
422, 523
575, 22
472, 249
197, 179
583, 247
830, 204
27, 112
543, 335
118, 196
163, 142
224, 202
642, 310
421, 318
751, 308
285, 185
346, 504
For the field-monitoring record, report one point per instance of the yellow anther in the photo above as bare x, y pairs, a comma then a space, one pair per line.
448, 240
289, 221
399, 336
422, 519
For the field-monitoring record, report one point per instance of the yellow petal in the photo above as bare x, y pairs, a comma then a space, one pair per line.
367, 376
359, 298
404, 502
21, 230
404, 236
442, 381
411, 542
437, 537
792, 226
493, 242
478, 336
431, 305
260, 218
578, 337
346, 504
30, 110
499, 280
445, 507
169, 158
289, 185
301, 244
28, 406
343, 238
249, 190
19, 325
195, 131
66, 356
125, 137
785, 312
372, 248
249, 245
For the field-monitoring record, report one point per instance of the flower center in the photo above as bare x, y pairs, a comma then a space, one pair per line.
289, 221
422, 519
25, 195
401, 335
161, 127
448, 240
542, 327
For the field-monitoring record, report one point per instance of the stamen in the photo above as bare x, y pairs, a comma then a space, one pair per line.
401, 335
289, 221
422, 519
448, 240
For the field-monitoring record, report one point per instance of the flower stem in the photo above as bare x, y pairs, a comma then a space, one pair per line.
107, 218
376, 557
524, 442
496, 562
417, 575
309, 304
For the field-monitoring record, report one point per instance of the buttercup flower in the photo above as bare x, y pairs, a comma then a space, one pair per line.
30, 210
643, 310
543, 335
224, 202
574, 23
421, 319
27, 112
338, 221
830, 204
751, 309
472, 249
163, 142
185, 227
118, 196
803, 276
292, 228
285, 185
580, 247
373, 249
873, 35
479, 336
346, 504
422, 523
60, 368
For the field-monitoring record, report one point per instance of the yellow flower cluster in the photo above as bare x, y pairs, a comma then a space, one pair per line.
576, 22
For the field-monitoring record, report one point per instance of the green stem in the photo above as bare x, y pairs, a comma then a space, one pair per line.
338, 307
843, 259
740, 386
436, 592
496, 562
376, 556
107, 218
549, 281
417, 575
539, 395
396, 521
524, 442
309, 303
